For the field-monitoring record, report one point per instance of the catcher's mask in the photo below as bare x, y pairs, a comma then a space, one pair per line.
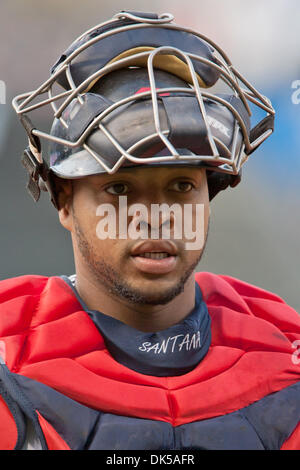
134, 91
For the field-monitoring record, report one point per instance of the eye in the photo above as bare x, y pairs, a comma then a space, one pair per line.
117, 189
182, 186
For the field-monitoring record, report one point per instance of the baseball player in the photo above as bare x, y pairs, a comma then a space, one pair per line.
149, 122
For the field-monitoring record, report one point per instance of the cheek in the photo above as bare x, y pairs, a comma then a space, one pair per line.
94, 244
103, 233
85, 219
195, 226
96, 224
86, 211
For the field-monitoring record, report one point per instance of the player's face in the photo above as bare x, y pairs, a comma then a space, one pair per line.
139, 254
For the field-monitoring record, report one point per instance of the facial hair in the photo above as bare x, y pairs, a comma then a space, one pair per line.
116, 285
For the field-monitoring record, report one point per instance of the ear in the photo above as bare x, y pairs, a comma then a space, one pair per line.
64, 191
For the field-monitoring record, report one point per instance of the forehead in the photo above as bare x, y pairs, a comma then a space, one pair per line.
148, 173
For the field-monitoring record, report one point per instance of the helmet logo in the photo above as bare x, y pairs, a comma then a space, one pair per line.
218, 125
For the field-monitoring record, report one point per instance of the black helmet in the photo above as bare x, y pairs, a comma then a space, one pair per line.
135, 92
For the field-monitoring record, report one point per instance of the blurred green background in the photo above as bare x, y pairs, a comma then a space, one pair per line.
254, 232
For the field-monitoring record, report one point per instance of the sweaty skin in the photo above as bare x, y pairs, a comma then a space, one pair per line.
112, 277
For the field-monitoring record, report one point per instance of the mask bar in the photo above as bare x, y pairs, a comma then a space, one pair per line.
228, 74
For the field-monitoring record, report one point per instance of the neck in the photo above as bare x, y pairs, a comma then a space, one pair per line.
139, 316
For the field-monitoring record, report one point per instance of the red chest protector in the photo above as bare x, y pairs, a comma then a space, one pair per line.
47, 336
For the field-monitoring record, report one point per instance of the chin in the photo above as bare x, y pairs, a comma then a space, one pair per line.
157, 294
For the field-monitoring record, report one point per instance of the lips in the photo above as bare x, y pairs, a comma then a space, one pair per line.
155, 257
155, 247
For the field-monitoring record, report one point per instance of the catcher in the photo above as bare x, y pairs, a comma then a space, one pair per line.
149, 122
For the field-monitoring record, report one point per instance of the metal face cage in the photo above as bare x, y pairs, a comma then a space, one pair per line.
229, 160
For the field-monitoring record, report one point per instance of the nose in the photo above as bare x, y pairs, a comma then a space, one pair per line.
155, 221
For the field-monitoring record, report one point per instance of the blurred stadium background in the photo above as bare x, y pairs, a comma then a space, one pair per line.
254, 232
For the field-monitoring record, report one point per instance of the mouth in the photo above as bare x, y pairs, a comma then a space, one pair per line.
155, 257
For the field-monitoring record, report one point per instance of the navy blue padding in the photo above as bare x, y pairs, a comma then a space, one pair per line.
115, 432
263, 425
228, 432
23, 406
282, 417
174, 351
70, 419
